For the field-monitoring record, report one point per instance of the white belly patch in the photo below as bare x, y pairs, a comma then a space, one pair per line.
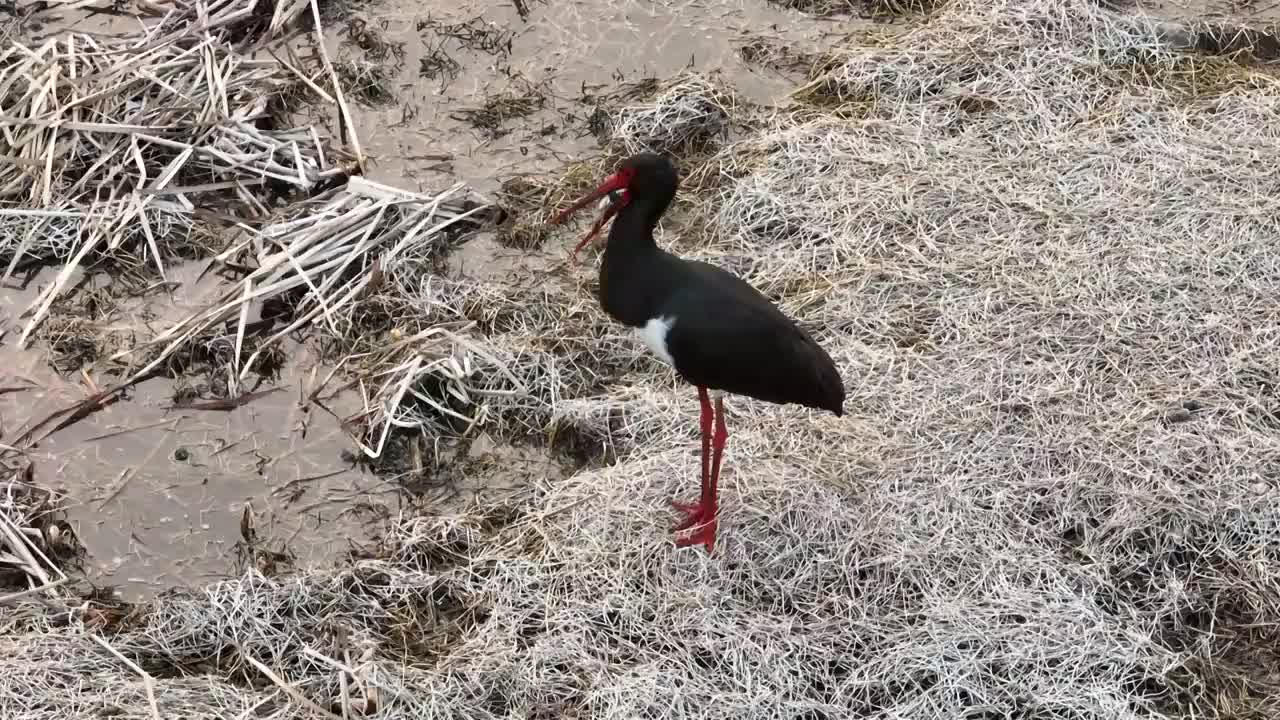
654, 336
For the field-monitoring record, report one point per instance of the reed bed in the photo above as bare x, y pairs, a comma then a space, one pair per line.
33, 538
112, 146
318, 260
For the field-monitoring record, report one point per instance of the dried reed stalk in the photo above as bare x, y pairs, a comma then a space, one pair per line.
329, 249
111, 145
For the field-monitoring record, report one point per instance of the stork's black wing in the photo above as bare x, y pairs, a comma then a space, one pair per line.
729, 337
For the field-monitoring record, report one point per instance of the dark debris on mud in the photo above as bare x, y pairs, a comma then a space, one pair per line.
500, 109
372, 40
859, 8
445, 42
370, 83
475, 34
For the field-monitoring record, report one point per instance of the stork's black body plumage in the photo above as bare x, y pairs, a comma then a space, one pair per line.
716, 330
723, 334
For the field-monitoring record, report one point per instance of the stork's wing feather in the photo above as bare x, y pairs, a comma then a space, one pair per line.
728, 336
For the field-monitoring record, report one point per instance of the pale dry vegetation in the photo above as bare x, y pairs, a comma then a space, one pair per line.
1040, 244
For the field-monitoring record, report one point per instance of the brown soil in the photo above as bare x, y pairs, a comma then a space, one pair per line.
1247, 12
561, 52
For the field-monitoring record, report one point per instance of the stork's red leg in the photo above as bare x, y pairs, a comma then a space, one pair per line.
693, 512
705, 532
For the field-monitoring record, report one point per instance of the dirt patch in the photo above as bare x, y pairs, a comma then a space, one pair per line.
156, 491
158, 485
524, 77
861, 8
1246, 12
157, 494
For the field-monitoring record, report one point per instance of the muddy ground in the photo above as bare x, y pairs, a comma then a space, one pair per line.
475, 92
478, 91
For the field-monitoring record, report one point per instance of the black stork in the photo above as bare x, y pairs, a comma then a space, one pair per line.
717, 331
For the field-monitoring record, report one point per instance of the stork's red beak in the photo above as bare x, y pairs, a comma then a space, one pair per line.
616, 181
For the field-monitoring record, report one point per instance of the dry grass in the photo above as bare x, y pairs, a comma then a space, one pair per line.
34, 540
113, 145
873, 8
1039, 244
689, 114
322, 261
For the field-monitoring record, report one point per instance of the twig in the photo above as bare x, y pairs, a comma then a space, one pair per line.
146, 678
13, 597
224, 404
348, 125
287, 688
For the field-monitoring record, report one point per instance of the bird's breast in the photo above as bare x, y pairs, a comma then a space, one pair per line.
654, 335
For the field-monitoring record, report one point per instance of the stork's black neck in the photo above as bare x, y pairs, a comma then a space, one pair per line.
632, 231
633, 283
631, 234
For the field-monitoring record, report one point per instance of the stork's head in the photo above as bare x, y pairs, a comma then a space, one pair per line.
645, 179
